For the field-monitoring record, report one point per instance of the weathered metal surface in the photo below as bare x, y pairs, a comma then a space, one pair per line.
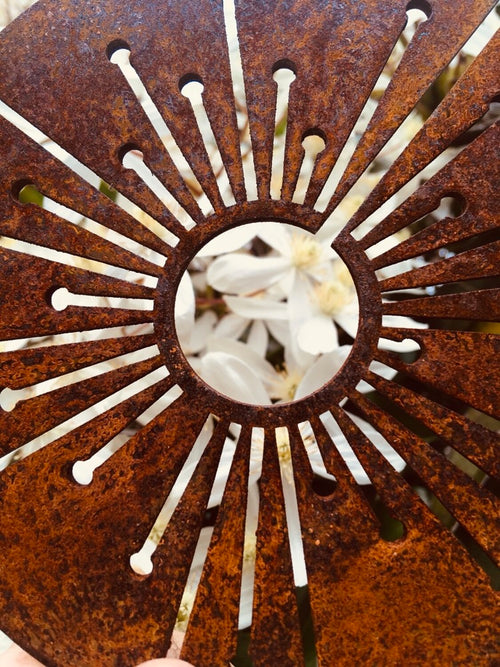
68, 594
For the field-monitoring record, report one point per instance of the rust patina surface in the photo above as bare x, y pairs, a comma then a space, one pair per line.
67, 592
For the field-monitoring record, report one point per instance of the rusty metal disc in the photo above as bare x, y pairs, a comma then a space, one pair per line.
68, 593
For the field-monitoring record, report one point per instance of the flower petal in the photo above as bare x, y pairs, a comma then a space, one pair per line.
246, 354
231, 240
348, 317
256, 307
323, 369
202, 329
230, 326
277, 236
234, 378
318, 335
258, 338
184, 309
244, 274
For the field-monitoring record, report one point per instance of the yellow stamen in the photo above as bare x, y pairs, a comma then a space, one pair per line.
306, 251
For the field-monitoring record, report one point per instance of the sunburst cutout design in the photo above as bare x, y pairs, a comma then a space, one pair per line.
146, 98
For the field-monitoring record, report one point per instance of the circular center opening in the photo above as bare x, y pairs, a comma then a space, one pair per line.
266, 313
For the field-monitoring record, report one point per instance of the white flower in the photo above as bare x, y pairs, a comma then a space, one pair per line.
293, 252
302, 280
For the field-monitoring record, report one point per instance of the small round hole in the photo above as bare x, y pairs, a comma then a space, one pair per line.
191, 86
324, 486
284, 75
130, 155
114, 48
83, 472
59, 299
391, 529
27, 193
8, 399
418, 10
141, 563
210, 516
285, 64
313, 144
451, 206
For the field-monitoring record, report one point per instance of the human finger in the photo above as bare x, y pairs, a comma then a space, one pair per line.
16, 657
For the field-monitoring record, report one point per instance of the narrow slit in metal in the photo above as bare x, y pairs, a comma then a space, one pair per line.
314, 453
75, 218
291, 507
284, 77
62, 298
134, 159
91, 265
198, 563
250, 541
141, 562
193, 90
36, 342
74, 422
83, 470
330, 187
238, 80
121, 57
313, 144
10, 397
86, 174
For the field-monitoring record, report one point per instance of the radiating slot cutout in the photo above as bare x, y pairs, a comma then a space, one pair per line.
284, 75
141, 562
415, 16
200, 554
133, 158
191, 86
9, 398
81, 418
448, 207
63, 338
83, 470
344, 448
391, 528
87, 175
69, 260
238, 81
313, 144
29, 193
250, 542
119, 54
62, 298
291, 507
324, 483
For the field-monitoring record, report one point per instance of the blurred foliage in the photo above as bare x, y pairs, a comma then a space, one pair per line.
242, 657
107, 190
30, 195
442, 85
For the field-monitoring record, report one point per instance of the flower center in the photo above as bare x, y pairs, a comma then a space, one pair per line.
286, 384
305, 251
332, 296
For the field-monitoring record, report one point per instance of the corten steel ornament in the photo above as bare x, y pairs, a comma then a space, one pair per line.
68, 593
